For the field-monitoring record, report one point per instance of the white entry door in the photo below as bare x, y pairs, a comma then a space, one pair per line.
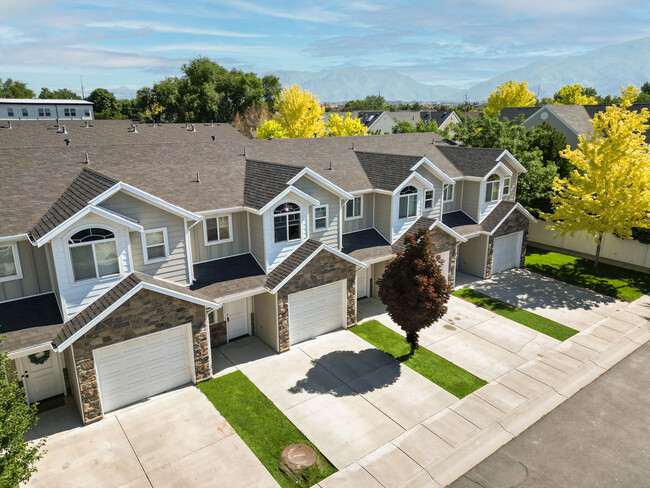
42, 380
237, 318
506, 252
316, 311
362, 283
139, 368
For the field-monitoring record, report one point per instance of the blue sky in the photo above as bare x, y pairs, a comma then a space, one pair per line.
125, 44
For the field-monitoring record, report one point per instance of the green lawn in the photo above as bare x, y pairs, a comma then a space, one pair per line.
443, 373
524, 317
262, 426
609, 280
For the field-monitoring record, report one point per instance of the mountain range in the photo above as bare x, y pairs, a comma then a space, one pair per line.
604, 69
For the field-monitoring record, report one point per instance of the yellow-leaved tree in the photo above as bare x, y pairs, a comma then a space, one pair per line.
299, 114
510, 94
572, 95
609, 189
348, 126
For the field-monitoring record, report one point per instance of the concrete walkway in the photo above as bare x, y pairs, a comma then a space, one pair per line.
596, 439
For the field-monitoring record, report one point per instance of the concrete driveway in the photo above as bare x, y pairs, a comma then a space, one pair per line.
346, 396
177, 439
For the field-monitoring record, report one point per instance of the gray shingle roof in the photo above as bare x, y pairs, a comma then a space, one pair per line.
437, 116
29, 322
400, 244
228, 276
386, 171
471, 161
295, 259
264, 181
495, 217
366, 245
511, 113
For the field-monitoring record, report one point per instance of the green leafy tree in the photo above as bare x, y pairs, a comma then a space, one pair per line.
14, 89
18, 457
371, 102
510, 94
573, 95
271, 88
413, 288
60, 94
405, 127
105, 103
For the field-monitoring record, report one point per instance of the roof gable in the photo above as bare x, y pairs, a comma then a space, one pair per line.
263, 181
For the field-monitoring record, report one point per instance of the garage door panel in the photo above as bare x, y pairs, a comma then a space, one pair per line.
506, 252
316, 311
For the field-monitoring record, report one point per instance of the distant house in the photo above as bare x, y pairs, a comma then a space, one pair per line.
45, 109
442, 118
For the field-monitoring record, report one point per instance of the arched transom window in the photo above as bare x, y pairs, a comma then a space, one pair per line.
93, 253
408, 202
286, 222
492, 188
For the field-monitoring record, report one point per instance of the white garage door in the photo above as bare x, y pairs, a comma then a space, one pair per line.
316, 311
445, 264
506, 252
139, 368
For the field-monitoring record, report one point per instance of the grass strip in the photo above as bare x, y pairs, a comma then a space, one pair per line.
443, 373
613, 281
516, 314
263, 427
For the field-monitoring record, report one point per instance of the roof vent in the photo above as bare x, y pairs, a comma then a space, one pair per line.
331, 166
353, 145
10, 125
198, 177
193, 128
186, 126
433, 141
214, 138
134, 128
67, 141
86, 124
211, 123
63, 129
244, 151
87, 159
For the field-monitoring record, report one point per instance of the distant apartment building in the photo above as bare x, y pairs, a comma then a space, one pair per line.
45, 109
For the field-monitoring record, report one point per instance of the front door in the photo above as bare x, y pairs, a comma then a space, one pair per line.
362, 283
237, 318
42, 376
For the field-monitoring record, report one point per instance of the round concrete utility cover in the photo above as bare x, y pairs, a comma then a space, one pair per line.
298, 456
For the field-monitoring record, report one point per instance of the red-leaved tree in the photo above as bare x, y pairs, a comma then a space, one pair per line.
413, 288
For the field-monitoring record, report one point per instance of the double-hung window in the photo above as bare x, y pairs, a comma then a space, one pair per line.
408, 202
428, 199
9, 263
41, 112
492, 189
354, 208
10, 112
93, 253
25, 112
506, 187
286, 222
448, 194
320, 218
217, 229
155, 245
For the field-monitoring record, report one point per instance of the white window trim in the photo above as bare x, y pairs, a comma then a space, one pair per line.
453, 193
356, 217
19, 270
433, 199
417, 207
97, 278
500, 189
145, 254
205, 229
503, 186
327, 217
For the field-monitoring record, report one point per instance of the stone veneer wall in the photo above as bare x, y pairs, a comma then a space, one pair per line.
515, 223
218, 334
144, 313
323, 269
442, 242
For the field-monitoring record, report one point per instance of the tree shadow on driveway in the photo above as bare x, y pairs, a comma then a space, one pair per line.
349, 366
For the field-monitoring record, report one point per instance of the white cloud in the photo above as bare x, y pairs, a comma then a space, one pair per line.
170, 29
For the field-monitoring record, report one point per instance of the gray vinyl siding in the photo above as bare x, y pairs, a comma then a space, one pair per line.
266, 319
72, 376
36, 275
239, 244
513, 182
435, 212
472, 256
329, 236
151, 217
383, 123
382, 214
557, 124
471, 195
455, 204
363, 223
256, 223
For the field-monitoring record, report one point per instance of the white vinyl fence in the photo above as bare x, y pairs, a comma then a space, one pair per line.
626, 251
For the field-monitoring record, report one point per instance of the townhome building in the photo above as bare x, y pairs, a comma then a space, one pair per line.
127, 253
45, 109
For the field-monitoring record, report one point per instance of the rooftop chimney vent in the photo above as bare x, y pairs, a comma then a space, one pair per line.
134, 128
198, 177
87, 159
330, 165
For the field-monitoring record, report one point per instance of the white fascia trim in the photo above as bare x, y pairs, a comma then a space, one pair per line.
140, 286
471, 178
283, 195
448, 230
16, 238
519, 207
216, 211
434, 169
416, 176
518, 166
312, 256
148, 197
99, 211
26, 351
499, 165
357, 193
322, 181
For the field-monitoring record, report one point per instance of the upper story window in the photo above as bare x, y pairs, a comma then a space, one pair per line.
286, 222
354, 208
9, 263
428, 199
408, 202
25, 112
320, 217
448, 193
492, 188
506, 186
10, 112
155, 245
217, 229
93, 253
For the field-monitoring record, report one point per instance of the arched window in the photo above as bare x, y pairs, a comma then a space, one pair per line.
408, 202
286, 222
492, 188
93, 253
